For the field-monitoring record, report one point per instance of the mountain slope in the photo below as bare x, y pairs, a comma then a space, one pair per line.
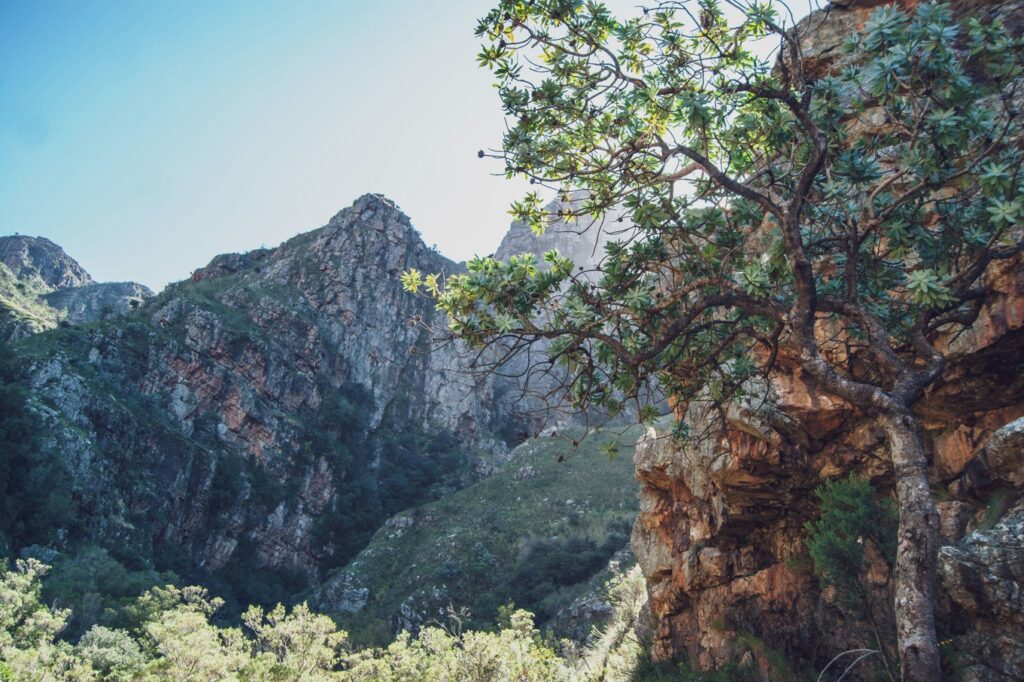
538, 532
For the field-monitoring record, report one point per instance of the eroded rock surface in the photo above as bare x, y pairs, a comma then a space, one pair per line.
720, 532
983, 576
38, 258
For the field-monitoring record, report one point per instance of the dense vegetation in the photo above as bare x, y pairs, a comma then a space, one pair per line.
837, 221
853, 523
41, 503
538, 532
168, 633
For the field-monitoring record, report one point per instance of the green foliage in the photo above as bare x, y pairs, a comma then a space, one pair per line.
24, 621
514, 653
485, 544
301, 642
174, 638
96, 588
545, 566
850, 515
111, 653
758, 207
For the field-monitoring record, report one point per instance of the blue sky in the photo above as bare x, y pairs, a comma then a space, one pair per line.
146, 137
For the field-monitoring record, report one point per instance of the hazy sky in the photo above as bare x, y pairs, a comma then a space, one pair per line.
146, 137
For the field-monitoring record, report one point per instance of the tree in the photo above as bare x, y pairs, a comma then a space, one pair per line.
28, 628
306, 645
185, 645
840, 223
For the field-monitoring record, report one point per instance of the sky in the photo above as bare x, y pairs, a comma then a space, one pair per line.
145, 137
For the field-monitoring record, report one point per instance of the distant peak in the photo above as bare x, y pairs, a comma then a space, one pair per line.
374, 200
367, 202
41, 259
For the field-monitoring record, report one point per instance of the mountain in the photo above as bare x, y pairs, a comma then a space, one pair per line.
42, 286
264, 417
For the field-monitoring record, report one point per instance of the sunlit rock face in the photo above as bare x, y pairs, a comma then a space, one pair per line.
101, 300
332, 304
582, 240
720, 532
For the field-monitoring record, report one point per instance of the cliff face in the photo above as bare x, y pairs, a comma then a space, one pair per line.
270, 411
79, 305
332, 300
720, 535
720, 532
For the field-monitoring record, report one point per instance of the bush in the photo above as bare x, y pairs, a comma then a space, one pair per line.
548, 565
113, 653
850, 515
174, 638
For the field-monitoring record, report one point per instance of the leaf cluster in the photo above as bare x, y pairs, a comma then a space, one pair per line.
767, 200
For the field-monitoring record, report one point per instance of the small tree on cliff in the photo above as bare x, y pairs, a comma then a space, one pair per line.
840, 223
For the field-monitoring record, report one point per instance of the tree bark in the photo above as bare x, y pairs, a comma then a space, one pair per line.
916, 553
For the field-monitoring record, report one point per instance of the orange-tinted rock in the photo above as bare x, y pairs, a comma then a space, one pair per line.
720, 531
952, 450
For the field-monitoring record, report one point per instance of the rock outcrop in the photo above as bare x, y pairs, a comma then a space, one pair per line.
720, 532
982, 575
98, 301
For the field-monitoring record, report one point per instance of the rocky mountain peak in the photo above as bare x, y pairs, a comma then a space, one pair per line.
370, 201
374, 222
40, 259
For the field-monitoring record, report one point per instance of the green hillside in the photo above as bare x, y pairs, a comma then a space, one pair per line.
540, 532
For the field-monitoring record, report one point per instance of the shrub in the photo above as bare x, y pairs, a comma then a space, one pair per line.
850, 515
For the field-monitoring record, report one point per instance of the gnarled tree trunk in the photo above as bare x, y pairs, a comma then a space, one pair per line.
916, 552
